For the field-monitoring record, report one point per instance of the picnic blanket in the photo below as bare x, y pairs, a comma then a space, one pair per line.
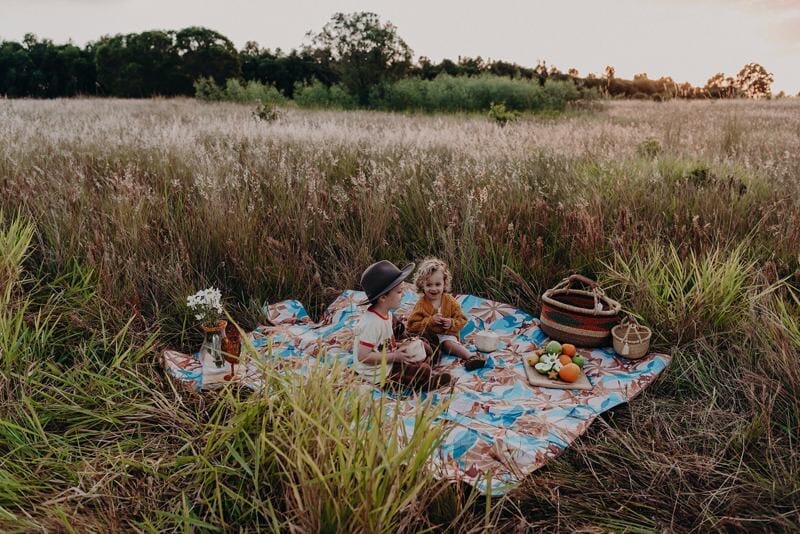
497, 423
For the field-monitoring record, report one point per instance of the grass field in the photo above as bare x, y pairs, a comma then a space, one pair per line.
114, 211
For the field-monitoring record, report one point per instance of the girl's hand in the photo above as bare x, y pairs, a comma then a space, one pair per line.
438, 319
446, 323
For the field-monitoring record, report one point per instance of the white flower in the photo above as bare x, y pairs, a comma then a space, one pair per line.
206, 305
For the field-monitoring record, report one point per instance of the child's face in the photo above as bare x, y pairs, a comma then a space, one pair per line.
434, 285
394, 297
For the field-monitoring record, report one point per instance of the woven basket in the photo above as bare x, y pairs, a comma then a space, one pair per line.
631, 340
583, 317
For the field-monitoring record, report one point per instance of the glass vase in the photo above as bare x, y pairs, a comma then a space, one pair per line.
212, 343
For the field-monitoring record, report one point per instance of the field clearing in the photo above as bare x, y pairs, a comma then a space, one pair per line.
688, 211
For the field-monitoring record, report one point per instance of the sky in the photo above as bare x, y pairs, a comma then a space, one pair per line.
689, 40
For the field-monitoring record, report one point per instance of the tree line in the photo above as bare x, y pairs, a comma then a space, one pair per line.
356, 52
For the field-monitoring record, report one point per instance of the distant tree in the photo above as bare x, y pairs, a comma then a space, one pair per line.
640, 76
469, 66
251, 48
667, 86
205, 53
449, 67
15, 68
720, 86
284, 71
504, 68
685, 90
754, 81
573, 72
140, 65
541, 71
425, 68
714, 84
365, 52
609, 73
39, 68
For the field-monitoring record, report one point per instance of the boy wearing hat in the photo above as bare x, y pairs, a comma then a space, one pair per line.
375, 341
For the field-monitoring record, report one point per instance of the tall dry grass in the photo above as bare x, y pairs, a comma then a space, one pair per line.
687, 210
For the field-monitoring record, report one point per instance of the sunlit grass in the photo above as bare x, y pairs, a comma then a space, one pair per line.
114, 211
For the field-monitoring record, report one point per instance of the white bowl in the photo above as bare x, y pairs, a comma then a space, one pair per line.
486, 341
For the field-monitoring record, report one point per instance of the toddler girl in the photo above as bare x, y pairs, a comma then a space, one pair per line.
437, 315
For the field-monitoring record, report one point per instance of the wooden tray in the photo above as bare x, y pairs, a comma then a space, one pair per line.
540, 380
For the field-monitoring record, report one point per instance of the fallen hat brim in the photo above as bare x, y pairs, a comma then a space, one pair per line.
404, 272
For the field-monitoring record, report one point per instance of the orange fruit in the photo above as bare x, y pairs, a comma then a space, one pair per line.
569, 349
564, 359
569, 372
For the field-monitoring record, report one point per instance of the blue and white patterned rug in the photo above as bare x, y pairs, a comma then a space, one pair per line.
498, 425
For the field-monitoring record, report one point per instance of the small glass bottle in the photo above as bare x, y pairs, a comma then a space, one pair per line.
212, 343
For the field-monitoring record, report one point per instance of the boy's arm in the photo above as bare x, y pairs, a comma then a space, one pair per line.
371, 341
367, 354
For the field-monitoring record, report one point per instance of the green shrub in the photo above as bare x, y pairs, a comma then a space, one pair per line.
207, 89
649, 148
319, 95
501, 115
235, 91
463, 93
700, 175
684, 298
268, 112
252, 91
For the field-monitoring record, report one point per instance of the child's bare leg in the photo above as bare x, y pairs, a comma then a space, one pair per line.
456, 349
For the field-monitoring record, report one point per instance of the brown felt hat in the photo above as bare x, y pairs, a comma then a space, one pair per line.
381, 277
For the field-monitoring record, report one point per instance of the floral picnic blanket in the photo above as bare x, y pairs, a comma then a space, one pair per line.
498, 424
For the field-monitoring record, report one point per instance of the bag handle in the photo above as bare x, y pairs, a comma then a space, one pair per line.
631, 323
594, 288
582, 279
569, 281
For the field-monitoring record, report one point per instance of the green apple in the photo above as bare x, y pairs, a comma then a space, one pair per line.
554, 347
543, 368
579, 360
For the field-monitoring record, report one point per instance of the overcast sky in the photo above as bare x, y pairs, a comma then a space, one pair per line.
687, 39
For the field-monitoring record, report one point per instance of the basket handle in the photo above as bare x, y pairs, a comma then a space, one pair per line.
569, 281
595, 288
631, 322
582, 279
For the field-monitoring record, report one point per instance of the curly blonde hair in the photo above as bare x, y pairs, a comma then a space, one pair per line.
427, 267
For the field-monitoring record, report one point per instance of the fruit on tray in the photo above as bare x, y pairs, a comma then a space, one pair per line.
569, 372
554, 347
557, 361
547, 363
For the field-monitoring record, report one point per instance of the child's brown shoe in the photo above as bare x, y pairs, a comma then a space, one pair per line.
475, 362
